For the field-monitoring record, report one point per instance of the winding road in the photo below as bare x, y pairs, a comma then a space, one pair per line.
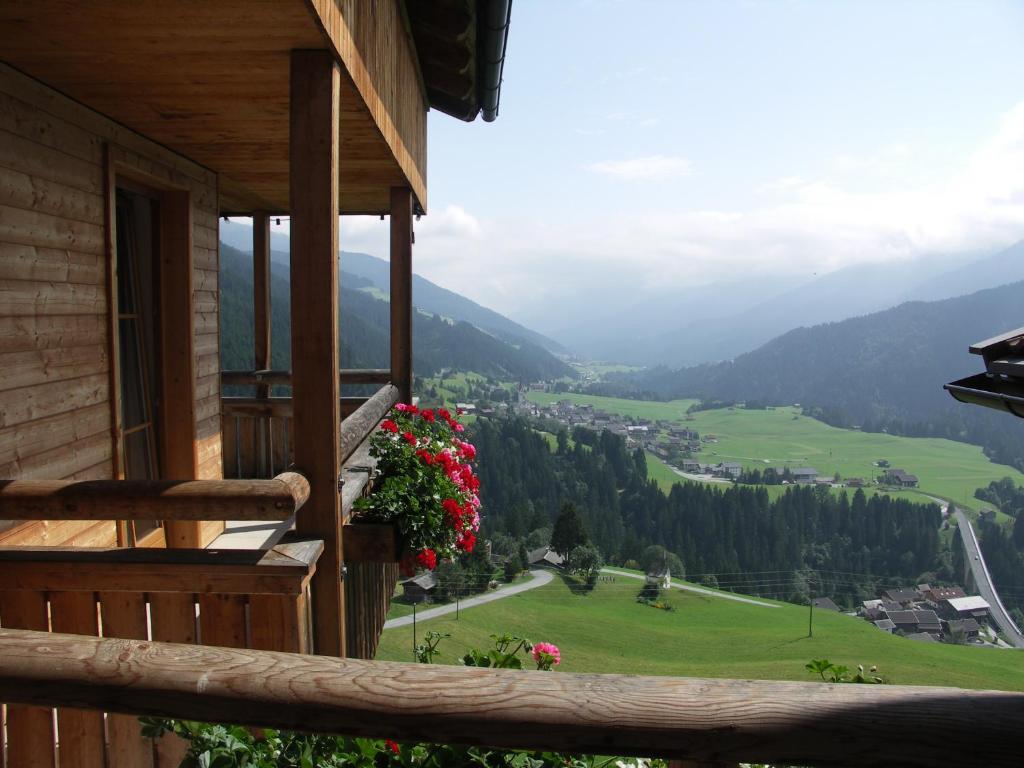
983, 580
540, 578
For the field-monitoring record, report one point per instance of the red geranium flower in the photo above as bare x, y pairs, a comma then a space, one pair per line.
409, 437
392, 746
427, 559
389, 426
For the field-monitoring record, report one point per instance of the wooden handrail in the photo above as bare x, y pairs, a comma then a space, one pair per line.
274, 378
356, 428
275, 499
690, 718
283, 569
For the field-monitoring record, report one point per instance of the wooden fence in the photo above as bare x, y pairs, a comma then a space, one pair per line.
233, 598
703, 720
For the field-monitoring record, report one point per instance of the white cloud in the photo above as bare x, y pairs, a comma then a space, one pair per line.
548, 263
643, 168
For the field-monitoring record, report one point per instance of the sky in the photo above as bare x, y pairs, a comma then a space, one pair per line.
651, 146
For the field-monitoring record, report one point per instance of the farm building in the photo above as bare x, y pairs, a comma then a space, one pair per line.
804, 475
419, 588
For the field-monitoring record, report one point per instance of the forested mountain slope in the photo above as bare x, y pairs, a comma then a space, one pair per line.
364, 322
880, 371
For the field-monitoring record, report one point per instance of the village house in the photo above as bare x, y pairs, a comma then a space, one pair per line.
903, 596
938, 594
421, 588
826, 604
966, 628
971, 607
545, 556
899, 478
659, 578
690, 465
804, 475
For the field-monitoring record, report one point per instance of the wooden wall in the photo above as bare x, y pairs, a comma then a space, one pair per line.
55, 409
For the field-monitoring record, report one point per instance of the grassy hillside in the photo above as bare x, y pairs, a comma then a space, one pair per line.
673, 410
608, 631
783, 437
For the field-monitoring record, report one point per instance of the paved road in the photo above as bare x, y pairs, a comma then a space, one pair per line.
697, 590
984, 582
540, 578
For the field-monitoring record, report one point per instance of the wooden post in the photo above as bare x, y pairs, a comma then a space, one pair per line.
401, 291
261, 295
177, 324
315, 83
261, 329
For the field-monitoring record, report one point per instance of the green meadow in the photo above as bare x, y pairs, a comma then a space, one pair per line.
782, 437
608, 631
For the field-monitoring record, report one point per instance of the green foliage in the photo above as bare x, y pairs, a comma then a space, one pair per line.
711, 529
363, 322
585, 561
504, 654
835, 673
655, 559
232, 746
427, 486
451, 579
427, 650
568, 532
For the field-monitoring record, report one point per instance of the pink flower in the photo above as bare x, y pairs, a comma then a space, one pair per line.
389, 426
407, 408
546, 655
458, 428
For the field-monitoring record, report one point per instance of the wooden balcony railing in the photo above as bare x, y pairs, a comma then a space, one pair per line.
231, 598
711, 722
258, 434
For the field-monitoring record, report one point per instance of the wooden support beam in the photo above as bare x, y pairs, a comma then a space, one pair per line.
401, 291
177, 413
705, 720
313, 172
189, 500
261, 295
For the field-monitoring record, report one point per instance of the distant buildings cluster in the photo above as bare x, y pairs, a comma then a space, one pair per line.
926, 613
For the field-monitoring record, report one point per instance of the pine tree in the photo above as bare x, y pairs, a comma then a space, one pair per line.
569, 531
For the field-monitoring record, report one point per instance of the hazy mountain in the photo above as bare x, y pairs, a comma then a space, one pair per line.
884, 370
987, 272
364, 320
720, 321
427, 296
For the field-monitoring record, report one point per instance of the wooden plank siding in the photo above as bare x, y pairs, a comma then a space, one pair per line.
55, 354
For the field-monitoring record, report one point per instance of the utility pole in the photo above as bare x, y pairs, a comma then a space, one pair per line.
810, 605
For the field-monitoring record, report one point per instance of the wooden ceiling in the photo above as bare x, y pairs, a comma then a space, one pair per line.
208, 79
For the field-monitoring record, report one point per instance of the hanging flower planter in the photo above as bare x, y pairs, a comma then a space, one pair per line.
426, 489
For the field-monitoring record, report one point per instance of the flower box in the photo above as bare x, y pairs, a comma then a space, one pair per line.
371, 542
